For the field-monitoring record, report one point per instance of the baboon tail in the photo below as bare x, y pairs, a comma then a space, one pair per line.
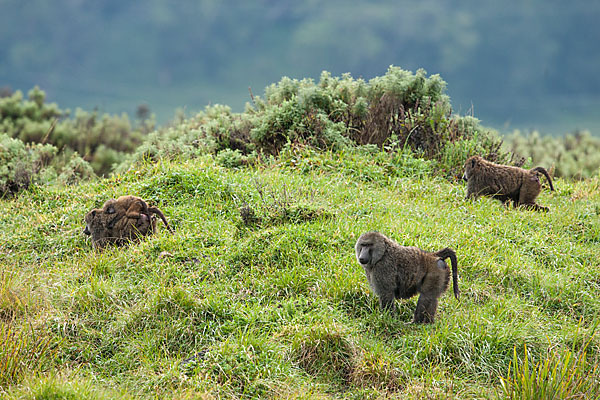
449, 253
156, 211
543, 171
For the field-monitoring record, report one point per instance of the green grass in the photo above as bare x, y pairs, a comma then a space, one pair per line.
279, 307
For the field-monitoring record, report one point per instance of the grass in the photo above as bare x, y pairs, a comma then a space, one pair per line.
276, 306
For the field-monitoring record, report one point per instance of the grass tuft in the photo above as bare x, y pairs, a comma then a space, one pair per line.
559, 374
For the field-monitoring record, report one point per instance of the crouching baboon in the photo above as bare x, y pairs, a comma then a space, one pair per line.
122, 220
504, 182
398, 272
133, 207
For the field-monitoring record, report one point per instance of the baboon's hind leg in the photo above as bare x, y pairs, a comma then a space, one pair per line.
426, 308
528, 195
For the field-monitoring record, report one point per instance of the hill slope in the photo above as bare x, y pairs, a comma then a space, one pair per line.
278, 306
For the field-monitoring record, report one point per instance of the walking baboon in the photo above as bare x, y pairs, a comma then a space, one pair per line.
504, 182
132, 207
399, 272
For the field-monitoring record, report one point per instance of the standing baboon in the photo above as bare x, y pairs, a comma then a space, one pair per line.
398, 272
132, 207
504, 182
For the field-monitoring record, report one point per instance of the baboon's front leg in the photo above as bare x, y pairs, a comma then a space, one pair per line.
387, 301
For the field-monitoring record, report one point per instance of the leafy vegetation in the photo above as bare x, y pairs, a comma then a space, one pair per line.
23, 165
276, 306
573, 156
396, 112
101, 141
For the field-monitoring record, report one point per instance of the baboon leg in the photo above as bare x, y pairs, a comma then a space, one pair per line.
527, 199
534, 207
471, 194
426, 308
387, 301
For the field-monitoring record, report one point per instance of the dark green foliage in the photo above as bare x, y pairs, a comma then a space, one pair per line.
102, 141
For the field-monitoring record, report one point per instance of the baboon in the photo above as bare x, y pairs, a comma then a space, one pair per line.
122, 220
132, 207
104, 230
399, 272
504, 182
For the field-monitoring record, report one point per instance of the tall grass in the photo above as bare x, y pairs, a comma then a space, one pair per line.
22, 352
559, 374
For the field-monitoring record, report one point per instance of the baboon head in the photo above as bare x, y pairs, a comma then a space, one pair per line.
370, 248
96, 226
111, 228
471, 164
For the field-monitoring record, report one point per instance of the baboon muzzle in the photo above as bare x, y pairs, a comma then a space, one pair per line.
364, 257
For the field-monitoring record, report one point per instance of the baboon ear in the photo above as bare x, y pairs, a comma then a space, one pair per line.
110, 210
441, 264
472, 163
93, 213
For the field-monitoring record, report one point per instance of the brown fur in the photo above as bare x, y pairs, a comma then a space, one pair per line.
120, 221
504, 182
395, 271
133, 207
119, 233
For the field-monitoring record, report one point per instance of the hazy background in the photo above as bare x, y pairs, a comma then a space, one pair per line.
529, 64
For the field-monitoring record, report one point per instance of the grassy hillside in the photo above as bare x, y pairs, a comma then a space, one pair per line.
276, 306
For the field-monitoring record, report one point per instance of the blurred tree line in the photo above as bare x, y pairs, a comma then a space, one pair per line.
407, 115
522, 60
39, 142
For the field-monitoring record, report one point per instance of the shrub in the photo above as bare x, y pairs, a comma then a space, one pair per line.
396, 112
575, 155
22, 165
101, 140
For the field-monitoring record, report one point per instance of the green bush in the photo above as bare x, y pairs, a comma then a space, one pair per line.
396, 112
22, 165
575, 155
103, 141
